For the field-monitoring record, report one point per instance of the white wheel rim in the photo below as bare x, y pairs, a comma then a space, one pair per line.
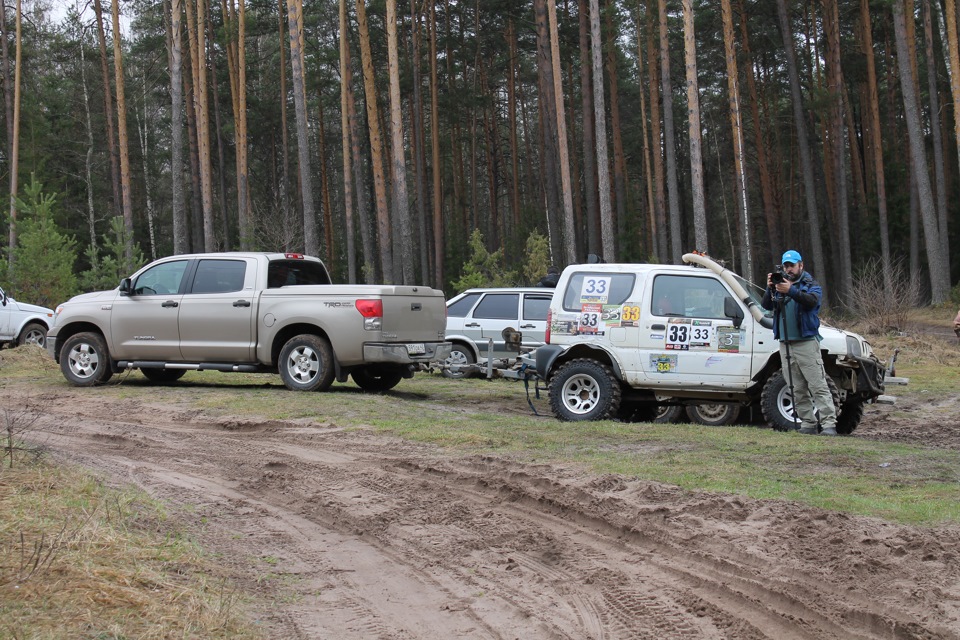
581, 394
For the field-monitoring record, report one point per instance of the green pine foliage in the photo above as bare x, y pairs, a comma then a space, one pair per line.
483, 268
42, 270
538, 257
108, 267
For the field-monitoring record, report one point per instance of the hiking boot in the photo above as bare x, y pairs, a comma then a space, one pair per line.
811, 431
829, 431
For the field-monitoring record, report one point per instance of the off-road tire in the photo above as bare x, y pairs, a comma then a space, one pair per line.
459, 355
777, 405
584, 389
84, 360
851, 413
306, 363
376, 378
163, 376
33, 333
714, 414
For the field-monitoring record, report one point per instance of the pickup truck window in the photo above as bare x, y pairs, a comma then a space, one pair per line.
688, 297
285, 273
161, 280
219, 276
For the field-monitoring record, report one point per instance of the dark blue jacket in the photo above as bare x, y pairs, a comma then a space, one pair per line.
807, 293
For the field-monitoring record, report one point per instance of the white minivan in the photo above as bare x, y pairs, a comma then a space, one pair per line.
477, 316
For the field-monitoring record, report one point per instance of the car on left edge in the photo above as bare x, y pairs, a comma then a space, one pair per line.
22, 323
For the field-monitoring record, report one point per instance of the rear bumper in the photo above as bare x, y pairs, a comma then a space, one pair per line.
406, 353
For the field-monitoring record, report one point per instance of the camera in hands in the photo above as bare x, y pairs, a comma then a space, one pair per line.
777, 276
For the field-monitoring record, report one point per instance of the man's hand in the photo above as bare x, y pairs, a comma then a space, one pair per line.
783, 287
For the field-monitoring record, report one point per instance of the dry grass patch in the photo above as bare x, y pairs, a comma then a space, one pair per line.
78, 559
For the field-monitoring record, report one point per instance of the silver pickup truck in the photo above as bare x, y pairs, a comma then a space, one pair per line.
249, 312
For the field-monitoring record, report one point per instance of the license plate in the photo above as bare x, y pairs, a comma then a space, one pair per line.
416, 349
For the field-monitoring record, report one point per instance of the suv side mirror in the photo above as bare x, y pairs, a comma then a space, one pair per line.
733, 311
125, 287
3, 298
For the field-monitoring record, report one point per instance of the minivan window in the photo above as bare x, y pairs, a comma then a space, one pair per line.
535, 307
498, 306
601, 288
461, 307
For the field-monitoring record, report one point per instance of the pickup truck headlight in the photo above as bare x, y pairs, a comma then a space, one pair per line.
853, 347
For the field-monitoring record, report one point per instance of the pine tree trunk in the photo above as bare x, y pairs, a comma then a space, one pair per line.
803, 144
286, 214
88, 160
108, 112
438, 226
693, 112
181, 238
939, 278
122, 140
652, 228
673, 188
399, 200
938, 165
569, 230
311, 241
419, 160
324, 185
15, 144
376, 148
660, 184
620, 186
548, 126
345, 77
736, 135
590, 190
600, 123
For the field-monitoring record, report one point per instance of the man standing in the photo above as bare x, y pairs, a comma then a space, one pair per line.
795, 300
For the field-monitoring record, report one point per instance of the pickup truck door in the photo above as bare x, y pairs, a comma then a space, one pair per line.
217, 311
144, 324
687, 341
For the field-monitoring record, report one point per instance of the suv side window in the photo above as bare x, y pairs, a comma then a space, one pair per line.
688, 297
461, 307
161, 280
535, 306
219, 276
605, 288
498, 306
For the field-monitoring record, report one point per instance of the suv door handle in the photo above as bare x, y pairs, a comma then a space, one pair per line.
528, 326
242, 303
472, 324
170, 303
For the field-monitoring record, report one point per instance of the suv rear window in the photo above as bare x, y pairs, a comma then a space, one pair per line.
603, 288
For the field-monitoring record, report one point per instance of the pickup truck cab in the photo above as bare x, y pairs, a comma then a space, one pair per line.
22, 323
625, 339
249, 312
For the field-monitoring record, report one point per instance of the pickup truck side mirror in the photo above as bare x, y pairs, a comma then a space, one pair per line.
125, 287
733, 311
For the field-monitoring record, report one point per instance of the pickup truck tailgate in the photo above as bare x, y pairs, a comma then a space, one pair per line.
414, 314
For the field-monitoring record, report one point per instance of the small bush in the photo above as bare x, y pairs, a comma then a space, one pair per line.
883, 300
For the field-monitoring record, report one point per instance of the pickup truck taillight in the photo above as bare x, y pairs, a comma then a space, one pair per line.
549, 318
372, 312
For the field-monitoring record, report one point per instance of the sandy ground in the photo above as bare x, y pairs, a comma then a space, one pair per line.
350, 534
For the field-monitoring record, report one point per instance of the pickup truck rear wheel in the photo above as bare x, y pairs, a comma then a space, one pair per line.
33, 333
84, 360
584, 389
714, 414
163, 376
776, 403
306, 363
376, 378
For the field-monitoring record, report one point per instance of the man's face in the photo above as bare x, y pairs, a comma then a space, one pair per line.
793, 269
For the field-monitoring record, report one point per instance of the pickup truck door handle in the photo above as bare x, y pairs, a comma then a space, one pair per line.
170, 303
242, 303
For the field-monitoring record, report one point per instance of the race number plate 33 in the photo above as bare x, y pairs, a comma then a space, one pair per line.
416, 349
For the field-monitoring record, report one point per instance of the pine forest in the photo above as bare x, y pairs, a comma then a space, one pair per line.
419, 141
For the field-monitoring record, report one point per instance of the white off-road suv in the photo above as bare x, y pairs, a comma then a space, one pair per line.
625, 340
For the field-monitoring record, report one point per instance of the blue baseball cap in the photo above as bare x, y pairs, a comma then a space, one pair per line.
791, 256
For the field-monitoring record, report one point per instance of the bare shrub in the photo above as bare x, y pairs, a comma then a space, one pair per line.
15, 423
883, 300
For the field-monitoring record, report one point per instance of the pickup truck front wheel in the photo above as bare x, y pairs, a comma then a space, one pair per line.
306, 363
84, 360
584, 389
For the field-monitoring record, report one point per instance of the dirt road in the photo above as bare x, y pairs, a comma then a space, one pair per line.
345, 533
